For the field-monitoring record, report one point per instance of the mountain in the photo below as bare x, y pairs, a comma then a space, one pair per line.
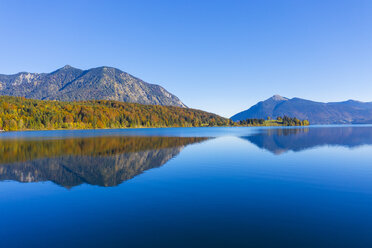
347, 112
72, 84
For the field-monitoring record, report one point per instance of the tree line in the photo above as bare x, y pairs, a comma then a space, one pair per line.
19, 113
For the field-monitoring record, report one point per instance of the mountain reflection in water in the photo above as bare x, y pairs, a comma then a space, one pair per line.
103, 161
280, 140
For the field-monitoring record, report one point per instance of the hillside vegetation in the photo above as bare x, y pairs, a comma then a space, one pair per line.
19, 113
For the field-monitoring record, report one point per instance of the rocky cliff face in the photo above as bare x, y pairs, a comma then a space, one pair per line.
71, 84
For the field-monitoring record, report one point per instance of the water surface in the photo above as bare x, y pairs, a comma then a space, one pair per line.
187, 187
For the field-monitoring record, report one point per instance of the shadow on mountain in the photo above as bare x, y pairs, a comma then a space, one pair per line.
103, 161
281, 140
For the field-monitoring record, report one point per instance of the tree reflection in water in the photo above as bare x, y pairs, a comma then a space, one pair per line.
103, 161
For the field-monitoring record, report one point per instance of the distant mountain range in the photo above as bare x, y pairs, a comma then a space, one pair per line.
108, 83
347, 112
72, 84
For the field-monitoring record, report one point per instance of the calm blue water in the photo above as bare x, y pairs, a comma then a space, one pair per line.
187, 187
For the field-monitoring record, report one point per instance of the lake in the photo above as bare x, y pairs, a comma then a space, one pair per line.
187, 187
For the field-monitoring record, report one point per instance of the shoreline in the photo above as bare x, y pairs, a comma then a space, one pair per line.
138, 128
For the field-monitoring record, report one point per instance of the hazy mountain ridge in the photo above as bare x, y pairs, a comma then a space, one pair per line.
72, 84
346, 112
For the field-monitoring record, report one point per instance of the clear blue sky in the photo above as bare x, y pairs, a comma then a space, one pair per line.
219, 56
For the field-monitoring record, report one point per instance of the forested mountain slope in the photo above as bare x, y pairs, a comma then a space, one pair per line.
18, 113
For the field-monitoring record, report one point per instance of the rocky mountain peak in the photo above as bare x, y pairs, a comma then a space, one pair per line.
278, 98
67, 67
73, 84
